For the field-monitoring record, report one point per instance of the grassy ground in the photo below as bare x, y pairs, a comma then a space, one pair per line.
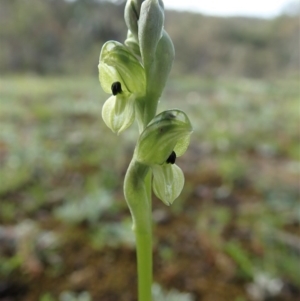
64, 227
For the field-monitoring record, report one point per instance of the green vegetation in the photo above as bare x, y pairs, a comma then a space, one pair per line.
57, 36
65, 229
238, 215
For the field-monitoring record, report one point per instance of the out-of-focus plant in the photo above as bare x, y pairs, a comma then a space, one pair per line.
89, 209
70, 296
135, 73
67, 296
112, 234
172, 295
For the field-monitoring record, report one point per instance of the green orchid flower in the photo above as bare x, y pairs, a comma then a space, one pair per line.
165, 138
120, 74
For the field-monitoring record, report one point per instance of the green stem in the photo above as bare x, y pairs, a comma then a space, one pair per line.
144, 261
138, 196
150, 111
150, 106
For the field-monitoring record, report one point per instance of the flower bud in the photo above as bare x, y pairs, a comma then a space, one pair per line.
168, 181
168, 131
150, 29
118, 64
164, 57
132, 14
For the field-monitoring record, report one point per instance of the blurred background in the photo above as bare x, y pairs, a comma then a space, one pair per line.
232, 235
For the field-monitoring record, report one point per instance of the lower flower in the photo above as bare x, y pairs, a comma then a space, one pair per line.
165, 137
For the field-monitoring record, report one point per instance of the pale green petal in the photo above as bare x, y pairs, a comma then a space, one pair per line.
117, 63
168, 181
182, 145
166, 132
118, 112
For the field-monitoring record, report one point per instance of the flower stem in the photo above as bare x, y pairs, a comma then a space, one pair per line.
137, 190
144, 261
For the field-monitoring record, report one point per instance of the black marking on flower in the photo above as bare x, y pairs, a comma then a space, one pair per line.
172, 158
116, 88
170, 115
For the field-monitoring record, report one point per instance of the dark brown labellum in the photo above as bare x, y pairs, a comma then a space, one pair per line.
116, 88
172, 158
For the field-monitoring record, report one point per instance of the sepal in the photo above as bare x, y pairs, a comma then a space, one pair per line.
118, 64
168, 182
168, 131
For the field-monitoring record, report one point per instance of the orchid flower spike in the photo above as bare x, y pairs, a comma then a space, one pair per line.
135, 74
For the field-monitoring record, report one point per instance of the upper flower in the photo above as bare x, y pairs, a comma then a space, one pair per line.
120, 74
118, 64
